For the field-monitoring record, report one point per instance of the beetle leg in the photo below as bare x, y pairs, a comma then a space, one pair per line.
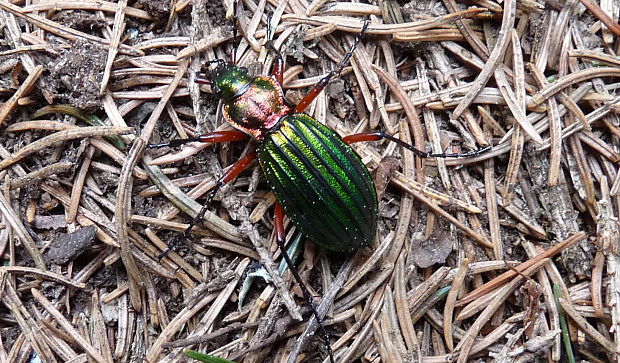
211, 138
314, 92
278, 223
228, 175
380, 135
277, 71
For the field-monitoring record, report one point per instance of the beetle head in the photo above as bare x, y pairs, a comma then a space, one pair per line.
226, 80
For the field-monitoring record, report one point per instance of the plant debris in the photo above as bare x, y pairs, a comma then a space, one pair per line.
509, 255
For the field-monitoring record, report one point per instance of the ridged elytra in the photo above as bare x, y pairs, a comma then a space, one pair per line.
318, 179
321, 183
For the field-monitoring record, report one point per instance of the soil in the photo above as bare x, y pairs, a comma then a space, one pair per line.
509, 255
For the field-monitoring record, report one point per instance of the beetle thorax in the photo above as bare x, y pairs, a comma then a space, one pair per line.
258, 108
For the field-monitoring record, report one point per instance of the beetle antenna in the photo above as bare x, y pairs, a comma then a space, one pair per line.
236, 38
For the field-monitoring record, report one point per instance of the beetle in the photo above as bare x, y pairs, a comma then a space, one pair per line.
319, 181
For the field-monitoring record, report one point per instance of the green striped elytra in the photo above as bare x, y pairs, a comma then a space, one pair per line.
321, 183
318, 179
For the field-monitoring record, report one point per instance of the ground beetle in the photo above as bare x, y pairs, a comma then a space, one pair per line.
319, 181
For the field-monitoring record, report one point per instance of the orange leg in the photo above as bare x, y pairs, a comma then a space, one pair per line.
212, 138
236, 169
278, 64
228, 175
379, 135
